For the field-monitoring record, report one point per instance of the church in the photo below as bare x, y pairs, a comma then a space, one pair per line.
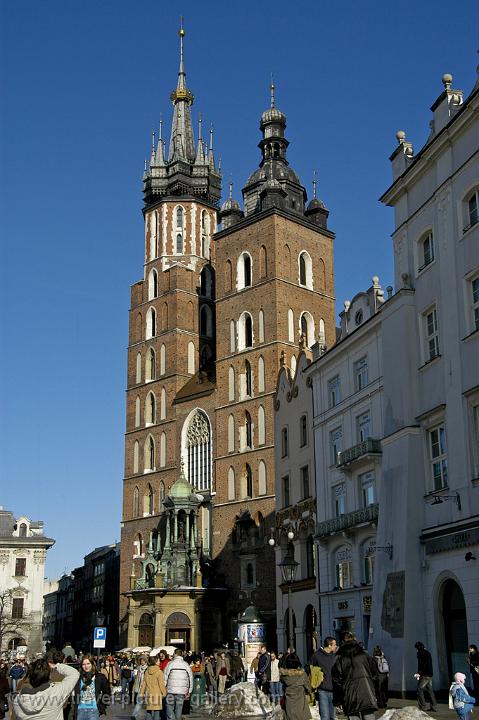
228, 296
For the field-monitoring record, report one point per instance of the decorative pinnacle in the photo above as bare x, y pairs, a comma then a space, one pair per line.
211, 137
153, 138
231, 189
314, 184
181, 33
271, 87
200, 123
144, 167
160, 132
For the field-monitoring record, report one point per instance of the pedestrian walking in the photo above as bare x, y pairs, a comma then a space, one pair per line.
153, 688
110, 671
296, 689
324, 658
383, 677
126, 675
264, 666
275, 681
462, 702
92, 692
179, 685
354, 674
42, 699
211, 681
472, 660
424, 675
223, 672
137, 684
17, 672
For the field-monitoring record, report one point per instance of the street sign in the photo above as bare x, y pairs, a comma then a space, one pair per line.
99, 637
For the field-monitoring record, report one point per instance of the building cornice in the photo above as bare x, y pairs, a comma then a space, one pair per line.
256, 217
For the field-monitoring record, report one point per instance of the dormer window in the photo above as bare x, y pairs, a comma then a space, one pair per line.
22, 530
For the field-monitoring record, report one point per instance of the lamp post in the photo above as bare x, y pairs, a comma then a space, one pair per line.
288, 567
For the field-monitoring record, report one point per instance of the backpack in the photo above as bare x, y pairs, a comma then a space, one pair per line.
317, 676
383, 665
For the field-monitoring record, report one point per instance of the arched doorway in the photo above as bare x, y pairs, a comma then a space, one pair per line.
310, 635
178, 629
146, 630
454, 625
16, 642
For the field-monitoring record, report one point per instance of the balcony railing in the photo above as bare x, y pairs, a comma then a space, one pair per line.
349, 520
366, 447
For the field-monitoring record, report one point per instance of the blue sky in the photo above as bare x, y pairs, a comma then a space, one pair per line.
83, 84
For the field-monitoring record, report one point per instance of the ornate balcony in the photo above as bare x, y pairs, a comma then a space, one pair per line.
349, 520
362, 450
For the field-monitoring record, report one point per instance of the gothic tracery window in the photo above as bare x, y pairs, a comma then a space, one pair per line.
198, 441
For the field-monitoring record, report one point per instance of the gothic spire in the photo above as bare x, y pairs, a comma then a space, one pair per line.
160, 158
182, 145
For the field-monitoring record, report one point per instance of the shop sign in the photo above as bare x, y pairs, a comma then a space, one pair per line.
343, 605
367, 603
453, 541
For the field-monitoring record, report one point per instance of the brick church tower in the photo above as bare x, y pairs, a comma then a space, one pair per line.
216, 315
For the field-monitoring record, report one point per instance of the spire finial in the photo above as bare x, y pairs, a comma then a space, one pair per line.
144, 167
314, 184
231, 187
160, 132
153, 139
271, 87
200, 123
211, 137
181, 33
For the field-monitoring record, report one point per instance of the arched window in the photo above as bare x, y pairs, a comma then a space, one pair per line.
150, 409
151, 323
263, 262
248, 430
152, 285
191, 358
261, 426
261, 381
162, 359
248, 379
344, 567
179, 218
307, 328
206, 321
293, 365
136, 502
148, 501
322, 274
198, 442
163, 404
305, 270
245, 331
137, 411
162, 494
244, 271
150, 365
138, 368
322, 334
261, 326
179, 215
139, 327
164, 316
231, 383
206, 282
149, 454
287, 262
248, 479
228, 276
231, 484
261, 478
136, 456
232, 336
231, 433
179, 244
290, 325
162, 449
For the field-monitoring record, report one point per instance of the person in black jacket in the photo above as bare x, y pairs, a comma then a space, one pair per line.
424, 678
354, 674
472, 660
325, 658
263, 673
92, 692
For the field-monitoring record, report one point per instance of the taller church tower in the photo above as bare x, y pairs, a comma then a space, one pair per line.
216, 315
171, 359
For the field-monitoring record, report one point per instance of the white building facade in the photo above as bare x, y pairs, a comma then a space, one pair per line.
426, 589
23, 549
296, 509
347, 425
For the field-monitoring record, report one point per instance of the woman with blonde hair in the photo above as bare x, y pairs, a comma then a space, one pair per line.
153, 688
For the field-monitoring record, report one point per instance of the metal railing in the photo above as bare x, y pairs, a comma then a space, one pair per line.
348, 520
370, 445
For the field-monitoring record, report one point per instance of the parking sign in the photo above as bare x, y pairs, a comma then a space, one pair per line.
99, 637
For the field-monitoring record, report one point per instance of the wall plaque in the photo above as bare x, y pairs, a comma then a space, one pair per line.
392, 615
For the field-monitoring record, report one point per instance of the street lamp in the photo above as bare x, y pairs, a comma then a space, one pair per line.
288, 567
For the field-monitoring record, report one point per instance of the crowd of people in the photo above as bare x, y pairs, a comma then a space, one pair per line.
167, 687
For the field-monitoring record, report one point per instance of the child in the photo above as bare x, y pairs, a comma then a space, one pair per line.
462, 702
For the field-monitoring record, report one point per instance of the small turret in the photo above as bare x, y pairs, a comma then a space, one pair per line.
230, 212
